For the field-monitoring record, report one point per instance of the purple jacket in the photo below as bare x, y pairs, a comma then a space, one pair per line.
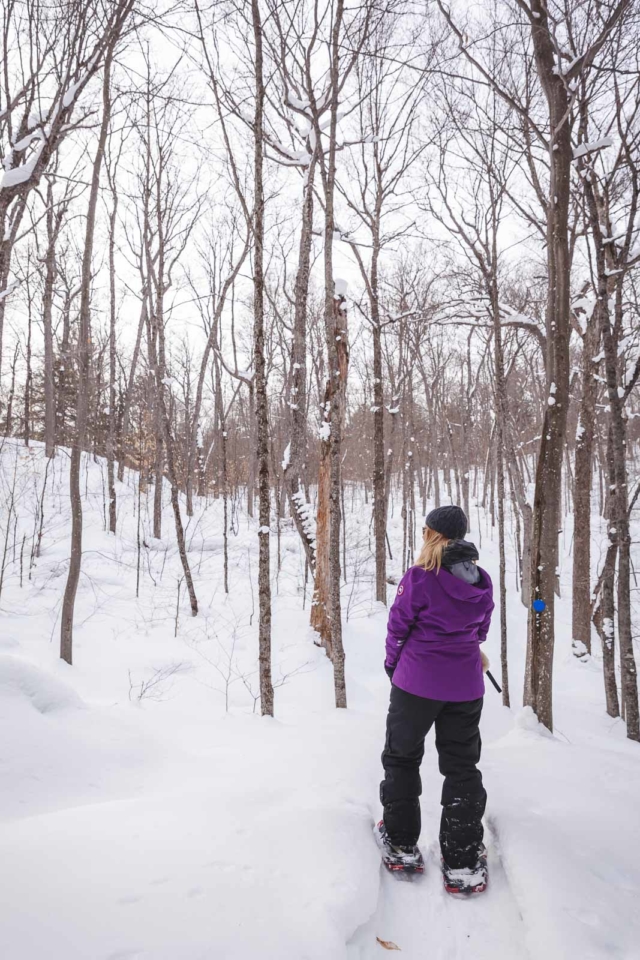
436, 625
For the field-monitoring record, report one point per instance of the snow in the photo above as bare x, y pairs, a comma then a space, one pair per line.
9, 289
22, 144
585, 148
305, 512
188, 826
324, 430
290, 156
302, 125
579, 648
70, 94
562, 69
286, 459
38, 115
20, 174
43, 691
294, 101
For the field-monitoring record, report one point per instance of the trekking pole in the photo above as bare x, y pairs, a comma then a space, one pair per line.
494, 681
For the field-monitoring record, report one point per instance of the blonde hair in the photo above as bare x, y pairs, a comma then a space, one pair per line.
430, 557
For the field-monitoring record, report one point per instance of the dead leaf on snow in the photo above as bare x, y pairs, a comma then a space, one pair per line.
388, 944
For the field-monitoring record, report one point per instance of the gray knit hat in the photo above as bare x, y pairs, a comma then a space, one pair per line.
450, 521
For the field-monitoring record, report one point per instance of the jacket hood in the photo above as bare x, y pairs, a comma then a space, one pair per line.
459, 589
459, 551
459, 559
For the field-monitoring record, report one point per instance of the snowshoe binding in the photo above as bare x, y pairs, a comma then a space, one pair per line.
403, 861
468, 880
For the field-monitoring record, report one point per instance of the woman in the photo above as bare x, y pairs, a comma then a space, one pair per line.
440, 617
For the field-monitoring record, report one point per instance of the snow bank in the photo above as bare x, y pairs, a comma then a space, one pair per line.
45, 692
561, 817
165, 878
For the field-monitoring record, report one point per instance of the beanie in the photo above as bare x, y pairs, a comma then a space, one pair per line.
450, 521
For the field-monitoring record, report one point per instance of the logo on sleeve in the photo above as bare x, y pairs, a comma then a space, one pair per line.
401, 589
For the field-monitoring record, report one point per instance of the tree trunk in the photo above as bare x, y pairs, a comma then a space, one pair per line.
618, 513
53, 227
548, 486
320, 617
336, 344
581, 596
604, 622
321, 608
262, 412
82, 407
379, 498
295, 470
126, 410
619, 533
158, 475
501, 416
340, 357
433, 449
251, 466
28, 379
111, 437
156, 357
388, 469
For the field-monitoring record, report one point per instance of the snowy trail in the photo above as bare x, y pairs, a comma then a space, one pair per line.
422, 920
154, 828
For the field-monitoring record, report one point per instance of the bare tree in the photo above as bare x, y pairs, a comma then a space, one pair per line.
264, 517
388, 101
557, 70
113, 31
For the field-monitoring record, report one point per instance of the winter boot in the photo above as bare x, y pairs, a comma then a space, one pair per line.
467, 880
396, 858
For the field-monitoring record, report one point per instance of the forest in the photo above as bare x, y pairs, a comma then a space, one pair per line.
277, 277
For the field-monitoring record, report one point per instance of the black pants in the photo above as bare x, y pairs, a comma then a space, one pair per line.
463, 796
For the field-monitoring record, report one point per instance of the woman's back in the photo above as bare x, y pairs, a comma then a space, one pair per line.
436, 624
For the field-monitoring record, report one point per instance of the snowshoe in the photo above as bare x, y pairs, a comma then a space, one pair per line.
468, 880
403, 861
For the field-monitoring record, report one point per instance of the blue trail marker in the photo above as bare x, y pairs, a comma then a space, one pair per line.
538, 605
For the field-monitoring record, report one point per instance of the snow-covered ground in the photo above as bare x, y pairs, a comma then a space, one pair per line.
149, 813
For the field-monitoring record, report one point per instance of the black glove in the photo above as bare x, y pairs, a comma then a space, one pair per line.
389, 671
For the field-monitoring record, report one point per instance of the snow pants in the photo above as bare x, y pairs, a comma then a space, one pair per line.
463, 796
